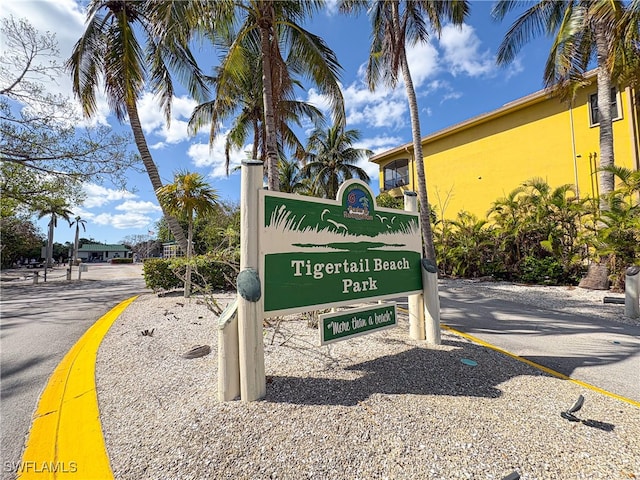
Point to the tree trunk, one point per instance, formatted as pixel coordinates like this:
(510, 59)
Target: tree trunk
(75, 247)
(48, 261)
(425, 220)
(266, 26)
(607, 183)
(152, 172)
(187, 278)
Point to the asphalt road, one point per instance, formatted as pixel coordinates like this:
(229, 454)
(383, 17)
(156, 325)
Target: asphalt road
(40, 323)
(602, 353)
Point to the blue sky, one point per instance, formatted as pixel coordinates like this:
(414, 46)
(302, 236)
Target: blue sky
(455, 78)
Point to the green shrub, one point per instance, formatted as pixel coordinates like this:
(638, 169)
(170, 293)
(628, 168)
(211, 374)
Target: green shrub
(209, 273)
(158, 275)
(121, 260)
(541, 271)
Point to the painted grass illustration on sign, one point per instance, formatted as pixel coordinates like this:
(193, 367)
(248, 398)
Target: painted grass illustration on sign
(288, 225)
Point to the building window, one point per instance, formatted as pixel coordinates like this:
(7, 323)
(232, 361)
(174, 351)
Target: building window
(396, 174)
(171, 250)
(616, 114)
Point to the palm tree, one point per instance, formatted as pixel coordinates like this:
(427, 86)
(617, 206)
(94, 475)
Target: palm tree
(629, 183)
(629, 27)
(111, 51)
(77, 222)
(290, 177)
(332, 159)
(583, 30)
(391, 30)
(273, 29)
(508, 214)
(239, 95)
(188, 195)
(471, 245)
(56, 208)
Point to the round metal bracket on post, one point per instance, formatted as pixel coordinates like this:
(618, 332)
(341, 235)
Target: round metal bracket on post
(429, 265)
(249, 285)
(632, 292)
(633, 270)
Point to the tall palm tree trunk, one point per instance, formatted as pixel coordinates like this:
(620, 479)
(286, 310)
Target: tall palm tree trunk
(607, 182)
(187, 279)
(425, 220)
(76, 242)
(152, 172)
(49, 253)
(266, 26)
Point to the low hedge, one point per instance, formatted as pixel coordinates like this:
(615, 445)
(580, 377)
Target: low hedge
(121, 260)
(208, 271)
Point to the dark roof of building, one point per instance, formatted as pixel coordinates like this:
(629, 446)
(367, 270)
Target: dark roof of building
(96, 247)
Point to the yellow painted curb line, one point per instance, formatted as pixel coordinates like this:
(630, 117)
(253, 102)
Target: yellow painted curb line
(65, 439)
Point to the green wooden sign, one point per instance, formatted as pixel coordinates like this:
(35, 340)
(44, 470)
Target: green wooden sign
(355, 322)
(318, 253)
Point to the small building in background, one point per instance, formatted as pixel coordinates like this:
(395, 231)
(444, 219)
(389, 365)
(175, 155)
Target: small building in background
(95, 252)
(171, 250)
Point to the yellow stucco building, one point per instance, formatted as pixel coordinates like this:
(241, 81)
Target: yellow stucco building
(470, 165)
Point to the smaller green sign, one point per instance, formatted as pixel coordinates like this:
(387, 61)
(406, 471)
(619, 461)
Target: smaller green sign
(356, 321)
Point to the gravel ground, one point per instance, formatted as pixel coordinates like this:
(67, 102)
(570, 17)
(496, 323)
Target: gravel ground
(374, 407)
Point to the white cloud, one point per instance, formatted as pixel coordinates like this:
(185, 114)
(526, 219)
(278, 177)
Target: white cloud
(318, 100)
(380, 144)
(97, 195)
(123, 221)
(372, 169)
(385, 107)
(135, 214)
(139, 207)
(391, 113)
(423, 61)
(358, 94)
(203, 156)
(451, 96)
(153, 119)
(382, 108)
(66, 18)
(42, 16)
(463, 54)
(514, 68)
(331, 7)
